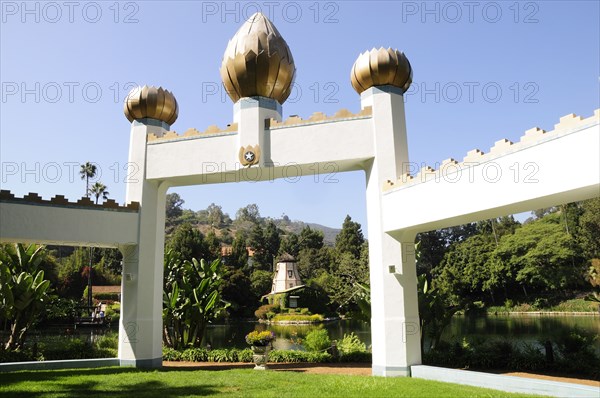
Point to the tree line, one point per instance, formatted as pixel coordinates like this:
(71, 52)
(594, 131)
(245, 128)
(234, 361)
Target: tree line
(332, 269)
(553, 256)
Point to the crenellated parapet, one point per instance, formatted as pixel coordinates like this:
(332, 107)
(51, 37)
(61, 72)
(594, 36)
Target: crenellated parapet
(60, 200)
(211, 131)
(534, 136)
(271, 124)
(319, 117)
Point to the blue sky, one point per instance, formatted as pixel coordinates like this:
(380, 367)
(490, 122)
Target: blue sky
(482, 71)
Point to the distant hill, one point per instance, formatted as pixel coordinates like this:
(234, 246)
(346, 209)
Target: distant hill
(285, 224)
(296, 226)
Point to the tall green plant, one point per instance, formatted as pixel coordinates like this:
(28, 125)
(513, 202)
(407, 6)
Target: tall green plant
(362, 298)
(435, 312)
(317, 340)
(191, 299)
(23, 290)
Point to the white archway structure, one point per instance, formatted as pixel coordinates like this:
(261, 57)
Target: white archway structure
(543, 169)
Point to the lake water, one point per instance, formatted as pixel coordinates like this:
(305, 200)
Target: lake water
(521, 329)
(288, 336)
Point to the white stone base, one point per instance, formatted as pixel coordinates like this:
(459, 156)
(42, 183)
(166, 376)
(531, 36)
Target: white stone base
(153, 363)
(504, 383)
(390, 371)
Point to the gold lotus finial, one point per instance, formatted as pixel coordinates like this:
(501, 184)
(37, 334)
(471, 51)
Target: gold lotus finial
(151, 102)
(379, 68)
(258, 62)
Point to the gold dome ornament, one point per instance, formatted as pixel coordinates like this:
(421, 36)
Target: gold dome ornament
(258, 62)
(151, 102)
(379, 68)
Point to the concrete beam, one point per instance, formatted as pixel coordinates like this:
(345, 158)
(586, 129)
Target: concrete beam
(69, 226)
(561, 170)
(289, 151)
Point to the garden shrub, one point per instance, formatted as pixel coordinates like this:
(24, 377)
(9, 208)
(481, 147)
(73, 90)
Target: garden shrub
(575, 342)
(105, 296)
(529, 358)
(194, 355)
(109, 340)
(576, 348)
(298, 318)
(245, 355)
(292, 356)
(171, 354)
(60, 310)
(317, 340)
(113, 312)
(319, 357)
(288, 356)
(496, 353)
(18, 356)
(104, 353)
(350, 344)
(204, 355)
(68, 348)
(573, 351)
(263, 310)
(224, 355)
(448, 354)
(237, 355)
(540, 303)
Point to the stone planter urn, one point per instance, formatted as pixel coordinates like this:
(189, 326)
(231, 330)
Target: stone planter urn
(261, 343)
(260, 356)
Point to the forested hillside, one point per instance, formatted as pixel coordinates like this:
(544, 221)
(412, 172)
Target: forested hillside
(552, 257)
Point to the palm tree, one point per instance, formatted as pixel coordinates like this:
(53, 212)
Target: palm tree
(87, 171)
(99, 189)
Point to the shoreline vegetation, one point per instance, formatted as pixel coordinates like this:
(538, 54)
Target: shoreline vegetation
(545, 313)
(292, 319)
(576, 306)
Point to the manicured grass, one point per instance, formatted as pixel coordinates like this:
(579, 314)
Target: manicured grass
(129, 383)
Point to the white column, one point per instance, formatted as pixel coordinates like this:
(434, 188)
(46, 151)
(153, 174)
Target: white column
(140, 326)
(394, 306)
(250, 114)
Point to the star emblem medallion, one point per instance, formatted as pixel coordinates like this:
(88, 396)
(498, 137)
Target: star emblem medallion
(249, 155)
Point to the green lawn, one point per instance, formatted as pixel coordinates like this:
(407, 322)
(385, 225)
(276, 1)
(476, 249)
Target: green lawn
(130, 383)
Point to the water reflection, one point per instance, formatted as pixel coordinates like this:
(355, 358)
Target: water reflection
(521, 329)
(288, 336)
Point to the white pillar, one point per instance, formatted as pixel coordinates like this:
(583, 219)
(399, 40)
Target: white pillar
(140, 326)
(250, 114)
(394, 305)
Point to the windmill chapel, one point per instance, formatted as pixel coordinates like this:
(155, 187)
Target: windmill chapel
(286, 275)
